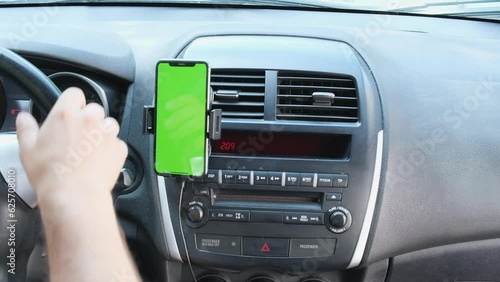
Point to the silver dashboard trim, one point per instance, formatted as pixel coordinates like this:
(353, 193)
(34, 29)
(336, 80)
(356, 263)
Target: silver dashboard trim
(98, 89)
(370, 210)
(168, 226)
(10, 160)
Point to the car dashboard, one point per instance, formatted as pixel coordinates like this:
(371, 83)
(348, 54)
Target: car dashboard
(360, 146)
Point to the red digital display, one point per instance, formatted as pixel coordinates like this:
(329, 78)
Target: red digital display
(227, 146)
(278, 144)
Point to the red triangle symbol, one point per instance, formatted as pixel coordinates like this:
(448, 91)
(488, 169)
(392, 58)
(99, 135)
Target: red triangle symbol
(265, 248)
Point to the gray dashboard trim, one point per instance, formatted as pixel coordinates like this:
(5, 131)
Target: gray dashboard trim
(370, 210)
(107, 51)
(168, 227)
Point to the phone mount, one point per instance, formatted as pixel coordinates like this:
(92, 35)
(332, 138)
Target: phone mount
(214, 121)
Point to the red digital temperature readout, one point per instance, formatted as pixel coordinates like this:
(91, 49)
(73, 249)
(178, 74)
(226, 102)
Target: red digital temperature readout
(226, 146)
(282, 144)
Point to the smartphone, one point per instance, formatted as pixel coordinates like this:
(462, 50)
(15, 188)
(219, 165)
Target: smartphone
(182, 101)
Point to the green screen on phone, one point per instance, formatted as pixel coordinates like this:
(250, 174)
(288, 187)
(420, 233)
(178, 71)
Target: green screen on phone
(181, 116)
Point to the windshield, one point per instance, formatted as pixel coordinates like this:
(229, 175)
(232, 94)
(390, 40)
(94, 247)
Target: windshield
(488, 9)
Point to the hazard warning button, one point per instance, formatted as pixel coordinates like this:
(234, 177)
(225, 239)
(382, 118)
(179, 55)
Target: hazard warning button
(265, 247)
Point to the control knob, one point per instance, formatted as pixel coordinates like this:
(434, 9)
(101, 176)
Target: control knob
(195, 213)
(339, 219)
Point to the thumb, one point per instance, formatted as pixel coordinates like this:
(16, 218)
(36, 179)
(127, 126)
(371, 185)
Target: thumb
(27, 130)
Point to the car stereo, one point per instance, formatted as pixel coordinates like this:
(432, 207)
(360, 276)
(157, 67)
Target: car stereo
(296, 196)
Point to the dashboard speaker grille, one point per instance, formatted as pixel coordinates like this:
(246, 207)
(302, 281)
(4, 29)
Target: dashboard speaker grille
(316, 97)
(239, 93)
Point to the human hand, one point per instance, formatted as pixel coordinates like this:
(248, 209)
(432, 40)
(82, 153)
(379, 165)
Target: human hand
(76, 151)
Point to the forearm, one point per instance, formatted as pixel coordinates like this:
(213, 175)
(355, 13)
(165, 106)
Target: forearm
(83, 239)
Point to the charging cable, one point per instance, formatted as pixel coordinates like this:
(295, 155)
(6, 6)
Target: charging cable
(182, 230)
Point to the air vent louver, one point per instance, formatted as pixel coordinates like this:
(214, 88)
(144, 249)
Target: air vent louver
(316, 97)
(239, 93)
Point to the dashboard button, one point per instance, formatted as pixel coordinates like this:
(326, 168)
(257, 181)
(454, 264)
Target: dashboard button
(243, 177)
(229, 215)
(265, 247)
(325, 180)
(228, 176)
(307, 248)
(340, 180)
(260, 177)
(307, 179)
(333, 196)
(201, 190)
(219, 244)
(303, 218)
(212, 176)
(275, 178)
(292, 178)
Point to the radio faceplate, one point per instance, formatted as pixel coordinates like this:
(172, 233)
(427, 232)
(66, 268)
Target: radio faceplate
(247, 212)
(262, 221)
(308, 204)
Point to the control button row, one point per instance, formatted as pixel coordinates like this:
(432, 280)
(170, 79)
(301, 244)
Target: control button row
(303, 218)
(229, 215)
(309, 218)
(277, 178)
(266, 247)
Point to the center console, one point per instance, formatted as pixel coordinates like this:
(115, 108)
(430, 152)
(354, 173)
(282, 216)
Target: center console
(292, 184)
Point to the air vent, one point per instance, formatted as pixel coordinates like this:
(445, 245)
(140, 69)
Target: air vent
(316, 97)
(239, 93)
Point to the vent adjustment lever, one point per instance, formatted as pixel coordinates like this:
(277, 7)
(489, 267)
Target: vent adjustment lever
(227, 94)
(323, 98)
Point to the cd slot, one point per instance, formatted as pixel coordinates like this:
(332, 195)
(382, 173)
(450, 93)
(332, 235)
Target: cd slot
(266, 199)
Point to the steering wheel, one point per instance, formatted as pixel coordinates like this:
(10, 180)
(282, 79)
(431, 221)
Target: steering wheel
(27, 221)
